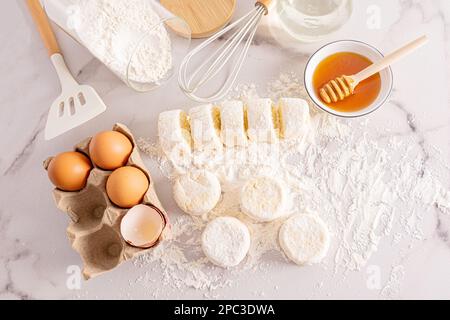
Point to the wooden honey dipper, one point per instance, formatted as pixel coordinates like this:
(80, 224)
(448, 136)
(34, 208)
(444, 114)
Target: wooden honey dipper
(342, 87)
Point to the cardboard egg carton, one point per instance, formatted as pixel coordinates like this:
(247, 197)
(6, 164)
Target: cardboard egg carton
(94, 231)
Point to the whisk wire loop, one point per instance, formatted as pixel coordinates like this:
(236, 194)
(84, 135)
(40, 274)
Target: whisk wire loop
(221, 56)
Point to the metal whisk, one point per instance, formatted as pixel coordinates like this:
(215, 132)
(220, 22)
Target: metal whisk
(245, 31)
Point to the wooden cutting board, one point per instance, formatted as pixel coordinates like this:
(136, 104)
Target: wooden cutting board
(204, 17)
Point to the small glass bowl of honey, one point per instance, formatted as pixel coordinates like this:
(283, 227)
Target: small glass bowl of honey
(348, 57)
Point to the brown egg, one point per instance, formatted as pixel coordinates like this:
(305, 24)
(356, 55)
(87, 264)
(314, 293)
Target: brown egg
(110, 150)
(126, 186)
(69, 171)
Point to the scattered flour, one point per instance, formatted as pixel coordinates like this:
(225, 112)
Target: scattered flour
(363, 188)
(124, 32)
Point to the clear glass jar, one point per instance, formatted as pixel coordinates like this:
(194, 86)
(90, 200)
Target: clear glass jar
(142, 42)
(312, 20)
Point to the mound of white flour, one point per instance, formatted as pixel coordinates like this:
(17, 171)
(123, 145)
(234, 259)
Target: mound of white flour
(122, 33)
(361, 188)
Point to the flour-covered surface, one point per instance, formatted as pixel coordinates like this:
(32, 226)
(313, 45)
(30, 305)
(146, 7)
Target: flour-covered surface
(365, 189)
(36, 260)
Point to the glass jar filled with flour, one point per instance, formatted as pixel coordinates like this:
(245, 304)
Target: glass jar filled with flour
(139, 40)
(312, 20)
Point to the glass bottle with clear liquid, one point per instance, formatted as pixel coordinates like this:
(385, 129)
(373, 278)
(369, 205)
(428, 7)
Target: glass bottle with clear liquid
(312, 20)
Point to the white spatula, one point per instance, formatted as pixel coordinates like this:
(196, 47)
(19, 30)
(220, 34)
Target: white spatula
(77, 104)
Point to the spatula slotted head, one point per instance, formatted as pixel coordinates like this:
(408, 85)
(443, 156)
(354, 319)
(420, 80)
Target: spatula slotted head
(72, 110)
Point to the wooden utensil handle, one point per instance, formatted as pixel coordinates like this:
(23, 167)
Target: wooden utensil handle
(44, 27)
(266, 3)
(390, 59)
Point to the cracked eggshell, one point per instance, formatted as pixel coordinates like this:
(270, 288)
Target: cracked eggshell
(142, 226)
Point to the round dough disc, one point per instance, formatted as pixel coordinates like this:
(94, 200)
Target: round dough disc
(226, 241)
(304, 239)
(263, 199)
(197, 192)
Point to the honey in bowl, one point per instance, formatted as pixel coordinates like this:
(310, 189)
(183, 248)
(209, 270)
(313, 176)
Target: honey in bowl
(348, 63)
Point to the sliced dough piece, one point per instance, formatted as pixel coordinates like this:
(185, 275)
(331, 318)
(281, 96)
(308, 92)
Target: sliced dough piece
(263, 199)
(205, 127)
(304, 239)
(226, 241)
(294, 117)
(174, 136)
(261, 122)
(232, 124)
(197, 192)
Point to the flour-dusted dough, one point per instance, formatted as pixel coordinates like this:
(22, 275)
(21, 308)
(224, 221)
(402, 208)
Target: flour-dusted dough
(263, 199)
(304, 239)
(262, 119)
(205, 128)
(174, 136)
(197, 192)
(226, 241)
(232, 124)
(294, 117)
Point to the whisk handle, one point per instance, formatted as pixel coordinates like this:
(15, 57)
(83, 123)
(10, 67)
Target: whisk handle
(266, 4)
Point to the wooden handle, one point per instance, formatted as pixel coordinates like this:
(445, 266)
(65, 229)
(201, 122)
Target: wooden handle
(44, 27)
(266, 3)
(390, 59)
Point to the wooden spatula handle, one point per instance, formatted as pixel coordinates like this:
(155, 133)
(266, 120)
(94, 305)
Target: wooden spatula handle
(44, 27)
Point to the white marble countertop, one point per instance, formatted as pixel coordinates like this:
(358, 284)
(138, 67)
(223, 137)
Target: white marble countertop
(34, 250)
